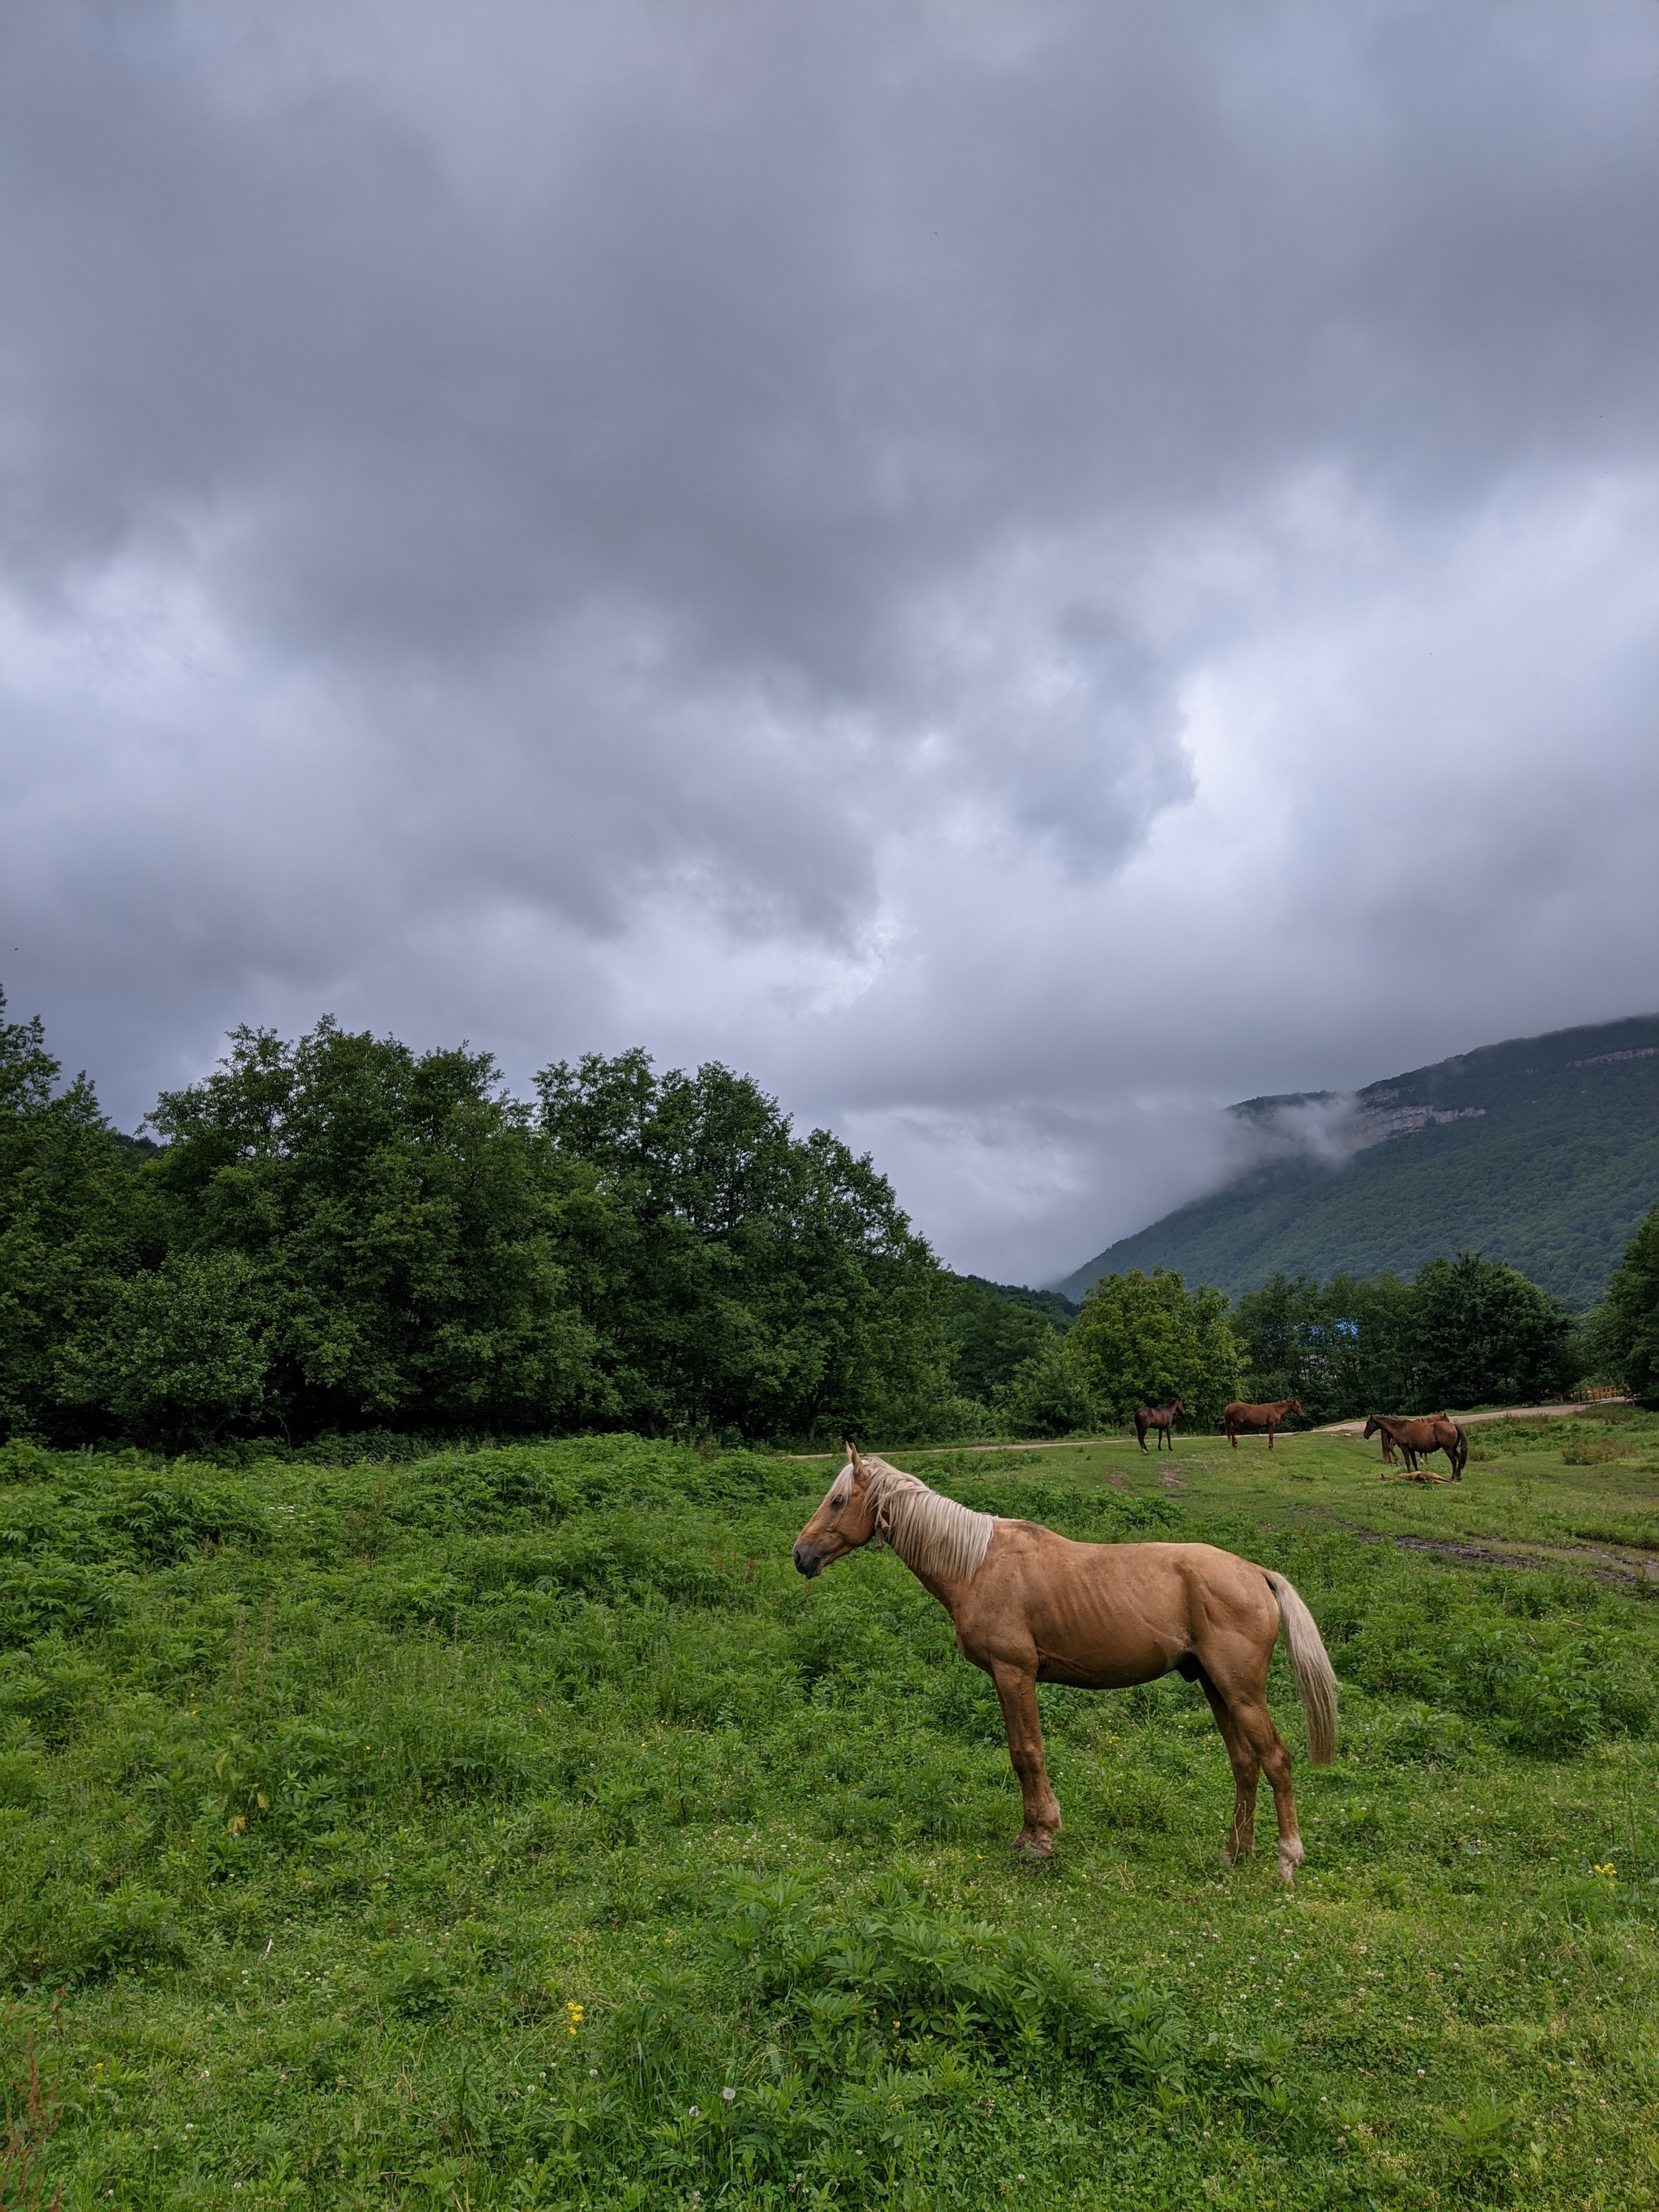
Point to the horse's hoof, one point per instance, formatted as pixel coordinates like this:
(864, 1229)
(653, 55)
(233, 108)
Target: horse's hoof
(1036, 1849)
(1291, 1857)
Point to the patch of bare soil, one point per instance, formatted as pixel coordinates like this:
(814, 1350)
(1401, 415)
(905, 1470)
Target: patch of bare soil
(1609, 1567)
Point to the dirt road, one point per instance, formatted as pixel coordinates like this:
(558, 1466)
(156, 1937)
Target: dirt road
(1497, 1414)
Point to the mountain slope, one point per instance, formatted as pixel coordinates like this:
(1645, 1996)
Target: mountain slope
(1541, 1150)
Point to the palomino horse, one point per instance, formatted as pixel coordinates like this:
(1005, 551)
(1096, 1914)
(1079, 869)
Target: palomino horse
(1415, 1438)
(1240, 1416)
(1161, 1418)
(1032, 1607)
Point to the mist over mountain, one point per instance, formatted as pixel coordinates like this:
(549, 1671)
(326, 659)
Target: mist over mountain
(1541, 1151)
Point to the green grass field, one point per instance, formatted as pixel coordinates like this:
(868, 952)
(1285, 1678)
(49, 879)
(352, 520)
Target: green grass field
(516, 1828)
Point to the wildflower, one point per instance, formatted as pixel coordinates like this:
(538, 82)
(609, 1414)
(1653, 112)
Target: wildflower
(573, 2014)
(728, 2095)
(692, 2113)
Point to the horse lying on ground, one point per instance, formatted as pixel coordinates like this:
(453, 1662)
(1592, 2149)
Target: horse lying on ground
(1413, 1439)
(1161, 1418)
(1032, 1607)
(1240, 1416)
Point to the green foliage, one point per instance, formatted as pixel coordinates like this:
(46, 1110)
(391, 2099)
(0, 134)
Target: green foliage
(178, 1353)
(1629, 1323)
(1467, 1332)
(1143, 1339)
(1050, 1394)
(340, 1236)
(751, 1279)
(68, 1216)
(404, 1223)
(992, 1334)
(1481, 1333)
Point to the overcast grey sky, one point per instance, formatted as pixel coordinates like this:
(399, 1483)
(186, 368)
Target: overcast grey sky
(1018, 571)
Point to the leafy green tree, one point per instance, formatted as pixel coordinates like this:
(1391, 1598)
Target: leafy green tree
(68, 1219)
(176, 1354)
(1629, 1319)
(749, 1280)
(1339, 1348)
(992, 1337)
(1048, 1394)
(1146, 1338)
(404, 1227)
(1483, 1333)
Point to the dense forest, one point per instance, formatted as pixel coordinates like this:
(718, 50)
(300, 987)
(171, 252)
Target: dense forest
(337, 1237)
(1542, 1150)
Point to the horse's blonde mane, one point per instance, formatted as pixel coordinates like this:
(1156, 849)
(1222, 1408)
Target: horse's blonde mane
(933, 1535)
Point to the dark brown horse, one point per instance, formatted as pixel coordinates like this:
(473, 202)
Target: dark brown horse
(1032, 1607)
(1240, 1416)
(1161, 1418)
(1415, 1439)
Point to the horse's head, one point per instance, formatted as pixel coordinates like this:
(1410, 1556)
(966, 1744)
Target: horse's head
(1295, 1407)
(1372, 1425)
(846, 1519)
(1177, 1406)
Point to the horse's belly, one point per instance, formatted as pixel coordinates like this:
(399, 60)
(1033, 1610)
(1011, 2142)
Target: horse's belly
(1118, 1665)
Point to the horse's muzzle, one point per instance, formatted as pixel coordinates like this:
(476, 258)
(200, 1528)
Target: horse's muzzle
(809, 1560)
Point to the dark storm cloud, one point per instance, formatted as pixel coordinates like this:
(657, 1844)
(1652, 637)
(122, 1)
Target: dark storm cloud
(1020, 571)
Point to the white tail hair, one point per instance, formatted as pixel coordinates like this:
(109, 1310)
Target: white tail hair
(1315, 1682)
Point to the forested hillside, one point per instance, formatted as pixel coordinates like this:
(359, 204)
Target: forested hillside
(1543, 1151)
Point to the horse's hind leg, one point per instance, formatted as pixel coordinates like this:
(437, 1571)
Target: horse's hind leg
(1241, 1838)
(1255, 1723)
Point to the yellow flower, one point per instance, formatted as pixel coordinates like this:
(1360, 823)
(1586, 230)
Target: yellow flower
(572, 2017)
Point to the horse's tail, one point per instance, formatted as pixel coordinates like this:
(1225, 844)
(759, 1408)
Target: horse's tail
(1315, 1682)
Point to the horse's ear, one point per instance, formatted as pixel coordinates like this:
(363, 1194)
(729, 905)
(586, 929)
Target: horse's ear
(852, 1456)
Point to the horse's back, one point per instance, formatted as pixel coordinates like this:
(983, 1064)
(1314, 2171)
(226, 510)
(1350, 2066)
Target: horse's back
(1039, 1560)
(1104, 1615)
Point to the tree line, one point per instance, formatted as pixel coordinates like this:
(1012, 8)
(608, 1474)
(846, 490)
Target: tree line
(337, 1235)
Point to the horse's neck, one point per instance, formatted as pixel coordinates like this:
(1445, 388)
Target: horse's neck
(941, 1541)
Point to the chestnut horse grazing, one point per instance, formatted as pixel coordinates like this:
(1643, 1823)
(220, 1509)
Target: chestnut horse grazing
(1032, 1607)
(1161, 1418)
(1414, 1438)
(1240, 1416)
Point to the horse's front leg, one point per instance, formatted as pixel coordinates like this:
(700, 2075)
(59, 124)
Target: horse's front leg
(1016, 1691)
